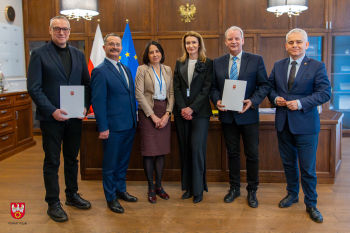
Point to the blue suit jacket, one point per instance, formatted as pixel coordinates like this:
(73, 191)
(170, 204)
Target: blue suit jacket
(46, 74)
(311, 86)
(113, 101)
(253, 71)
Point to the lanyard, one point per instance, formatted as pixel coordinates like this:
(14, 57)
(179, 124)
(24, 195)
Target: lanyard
(161, 80)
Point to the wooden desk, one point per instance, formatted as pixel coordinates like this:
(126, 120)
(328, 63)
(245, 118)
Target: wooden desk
(271, 168)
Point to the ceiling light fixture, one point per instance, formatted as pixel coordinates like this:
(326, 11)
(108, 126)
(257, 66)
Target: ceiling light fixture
(291, 7)
(76, 9)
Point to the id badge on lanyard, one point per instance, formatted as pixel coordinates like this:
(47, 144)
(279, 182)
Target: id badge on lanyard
(160, 81)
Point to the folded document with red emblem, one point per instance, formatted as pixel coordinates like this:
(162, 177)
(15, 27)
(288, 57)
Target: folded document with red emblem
(233, 96)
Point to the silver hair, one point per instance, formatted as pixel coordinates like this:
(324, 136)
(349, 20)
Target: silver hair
(297, 30)
(59, 17)
(234, 28)
(111, 34)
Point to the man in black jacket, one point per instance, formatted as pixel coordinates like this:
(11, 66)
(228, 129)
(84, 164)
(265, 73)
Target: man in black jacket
(51, 66)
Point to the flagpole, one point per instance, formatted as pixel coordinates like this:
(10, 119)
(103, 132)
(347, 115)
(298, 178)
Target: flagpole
(128, 56)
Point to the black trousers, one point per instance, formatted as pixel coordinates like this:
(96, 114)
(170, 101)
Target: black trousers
(54, 134)
(250, 136)
(192, 139)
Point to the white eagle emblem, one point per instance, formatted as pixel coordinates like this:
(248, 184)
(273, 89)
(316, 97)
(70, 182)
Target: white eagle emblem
(17, 210)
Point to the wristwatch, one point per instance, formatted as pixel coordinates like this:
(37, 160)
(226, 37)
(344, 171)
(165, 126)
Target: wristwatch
(169, 113)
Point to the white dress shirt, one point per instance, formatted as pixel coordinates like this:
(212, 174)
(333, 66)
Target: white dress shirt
(238, 62)
(297, 66)
(116, 66)
(157, 87)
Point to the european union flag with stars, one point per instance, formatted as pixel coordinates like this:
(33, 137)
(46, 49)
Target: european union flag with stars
(128, 55)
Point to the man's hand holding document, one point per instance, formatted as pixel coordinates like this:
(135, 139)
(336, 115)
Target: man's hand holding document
(233, 96)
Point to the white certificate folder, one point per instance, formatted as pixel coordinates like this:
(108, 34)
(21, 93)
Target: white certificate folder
(233, 96)
(72, 101)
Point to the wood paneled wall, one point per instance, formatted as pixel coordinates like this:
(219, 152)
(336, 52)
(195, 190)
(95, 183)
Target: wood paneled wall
(160, 20)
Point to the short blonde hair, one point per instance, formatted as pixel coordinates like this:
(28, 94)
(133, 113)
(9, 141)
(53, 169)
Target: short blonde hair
(201, 50)
(59, 17)
(234, 28)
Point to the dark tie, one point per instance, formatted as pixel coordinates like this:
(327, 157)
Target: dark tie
(291, 75)
(122, 72)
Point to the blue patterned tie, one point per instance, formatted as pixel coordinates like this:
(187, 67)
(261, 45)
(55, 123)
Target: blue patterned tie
(233, 70)
(122, 72)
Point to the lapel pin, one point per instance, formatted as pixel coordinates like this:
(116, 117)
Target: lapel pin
(305, 63)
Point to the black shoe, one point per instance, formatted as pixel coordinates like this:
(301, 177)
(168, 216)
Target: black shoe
(186, 195)
(126, 197)
(57, 213)
(315, 215)
(288, 201)
(252, 200)
(77, 201)
(115, 206)
(232, 195)
(198, 198)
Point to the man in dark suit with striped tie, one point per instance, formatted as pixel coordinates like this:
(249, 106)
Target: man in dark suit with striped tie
(240, 65)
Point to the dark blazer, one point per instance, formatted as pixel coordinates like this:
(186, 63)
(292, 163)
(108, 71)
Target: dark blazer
(46, 74)
(113, 101)
(253, 71)
(198, 100)
(311, 86)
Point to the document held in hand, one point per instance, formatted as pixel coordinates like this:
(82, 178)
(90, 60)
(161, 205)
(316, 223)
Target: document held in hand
(72, 100)
(233, 96)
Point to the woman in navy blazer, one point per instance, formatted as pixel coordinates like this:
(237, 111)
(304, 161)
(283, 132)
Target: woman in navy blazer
(192, 111)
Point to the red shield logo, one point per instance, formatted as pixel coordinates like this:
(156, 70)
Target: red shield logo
(72, 93)
(234, 87)
(17, 210)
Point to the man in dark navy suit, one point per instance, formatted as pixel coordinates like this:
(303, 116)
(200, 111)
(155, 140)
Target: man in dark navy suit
(299, 84)
(240, 65)
(51, 66)
(114, 104)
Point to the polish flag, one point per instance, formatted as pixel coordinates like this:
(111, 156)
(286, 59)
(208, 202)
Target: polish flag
(97, 54)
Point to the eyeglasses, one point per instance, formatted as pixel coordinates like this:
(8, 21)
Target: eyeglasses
(58, 29)
(114, 45)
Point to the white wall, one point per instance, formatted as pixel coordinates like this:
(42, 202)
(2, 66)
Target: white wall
(16, 83)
